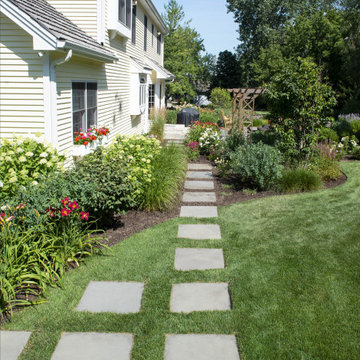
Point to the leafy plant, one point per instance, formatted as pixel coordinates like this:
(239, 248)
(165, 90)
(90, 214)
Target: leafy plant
(23, 161)
(266, 137)
(256, 166)
(192, 150)
(171, 116)
(220, 98)
(299, 179)
(326, 134)
(168, 172)
(206, 134)
(158, 120)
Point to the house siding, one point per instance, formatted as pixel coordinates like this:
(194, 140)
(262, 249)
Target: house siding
(21, 85)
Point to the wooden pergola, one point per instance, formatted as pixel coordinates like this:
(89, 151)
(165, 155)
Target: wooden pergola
(244, 106)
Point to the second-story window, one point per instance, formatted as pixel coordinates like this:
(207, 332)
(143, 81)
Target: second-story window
(159, 44)
(125, 12)
(145, 32)
(152, 34)
(133, 25)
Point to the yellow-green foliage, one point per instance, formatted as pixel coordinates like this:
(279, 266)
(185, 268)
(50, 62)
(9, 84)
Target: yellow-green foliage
(23, 161)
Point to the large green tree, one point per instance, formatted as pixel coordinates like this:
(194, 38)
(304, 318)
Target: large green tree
(182, 53)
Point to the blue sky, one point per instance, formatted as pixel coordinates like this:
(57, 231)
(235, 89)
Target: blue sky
(211, 20)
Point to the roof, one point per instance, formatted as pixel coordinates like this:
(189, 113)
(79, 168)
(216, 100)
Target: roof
(61, 27)
(161, 71)
(151, 9)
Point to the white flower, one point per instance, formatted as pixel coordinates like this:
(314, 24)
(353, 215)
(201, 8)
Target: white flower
(24, 172)
(13, 179)
(7, 158)
(49, 164)
(1, 184)
(22, 158)
(19, 150)
(44, 154)
(10, 152)
(35, 182)
(43, 161)
(35, 175)
(29, 154)
(3, 208)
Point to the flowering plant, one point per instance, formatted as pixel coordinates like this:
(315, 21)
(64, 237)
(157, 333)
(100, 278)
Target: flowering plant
(193, 150)
(91, 135)
(67, 209)
(24, 160)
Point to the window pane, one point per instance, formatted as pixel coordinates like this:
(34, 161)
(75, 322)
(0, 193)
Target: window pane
(133, 26)
(92, 117)
(145, 32)
(91, 95)
(159, 44)
(122, 11)
(128, 13)
(78, 91)
(78, 121)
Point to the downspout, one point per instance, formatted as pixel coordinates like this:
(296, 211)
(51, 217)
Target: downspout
(53, 95)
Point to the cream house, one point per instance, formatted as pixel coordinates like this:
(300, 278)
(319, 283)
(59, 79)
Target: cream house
(71, 64)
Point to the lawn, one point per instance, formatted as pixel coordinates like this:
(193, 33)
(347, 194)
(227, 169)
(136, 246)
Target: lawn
(292, 262)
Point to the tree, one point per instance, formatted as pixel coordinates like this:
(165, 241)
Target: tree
(227, 71)
(300, 103)
(182, 53)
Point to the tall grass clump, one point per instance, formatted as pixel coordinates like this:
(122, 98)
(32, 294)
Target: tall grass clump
(158, 120)
(298, 180)
(168, 172)
(171, 116)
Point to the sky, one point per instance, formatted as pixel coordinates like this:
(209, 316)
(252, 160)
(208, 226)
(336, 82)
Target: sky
(211, 21)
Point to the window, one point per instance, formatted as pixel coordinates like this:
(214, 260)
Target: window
(84, 96)
(151, 97)
(159, 43)
(125, 12)
(133, 25)
(152, 34)
(145, 32)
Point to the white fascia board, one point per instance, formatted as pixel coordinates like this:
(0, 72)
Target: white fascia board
(86, 52)
(160, 74)
(42, 38)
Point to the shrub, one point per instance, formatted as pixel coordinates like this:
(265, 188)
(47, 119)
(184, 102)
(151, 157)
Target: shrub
(23, 161)
(356, 153)
(300, 179)
(342, 127)
(168, 171)
(206, 134)
(256, 166)
(266, 137)
(257, 122)
(171, 116)
(355, 128)
(327, 134)
(209, 117)
(220, 98)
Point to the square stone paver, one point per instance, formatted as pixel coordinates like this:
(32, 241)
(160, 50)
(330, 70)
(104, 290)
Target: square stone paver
(199, 197)
(93, 346)
(199, 211)
(198, 259)
(199, 185)
(199, 175)
(112, 296)
(201, 347)
(199, 231)
(189, 297)
(199, 167)
(12, 344)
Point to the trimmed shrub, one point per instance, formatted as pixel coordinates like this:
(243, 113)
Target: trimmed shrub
(256, 166)
(297, 180)
(327, 134)
(168, 172)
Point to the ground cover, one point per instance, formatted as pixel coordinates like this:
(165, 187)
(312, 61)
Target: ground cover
(293, 264)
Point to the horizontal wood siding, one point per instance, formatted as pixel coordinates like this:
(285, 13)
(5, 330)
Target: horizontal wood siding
(83, 13)
(21, 82)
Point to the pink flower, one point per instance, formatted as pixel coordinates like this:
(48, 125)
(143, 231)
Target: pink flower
(73, 205)
(2, 215)
(65, 201)
(84, 215)
(50, 211)
(65, 212)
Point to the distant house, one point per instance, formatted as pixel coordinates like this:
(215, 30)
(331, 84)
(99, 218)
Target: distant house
(71, 64)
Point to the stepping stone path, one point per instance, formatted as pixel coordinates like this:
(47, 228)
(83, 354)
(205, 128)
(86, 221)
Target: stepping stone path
(125, 297)
(12, 344)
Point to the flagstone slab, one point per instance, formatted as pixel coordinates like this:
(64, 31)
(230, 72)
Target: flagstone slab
(199, 185)
(112, 296)
(201, 347)
(199, 175)
(12, 344)
(199, 211)
(198, 259)
(189, 297)
(199, 197)
(199, 167)
(94, 346)
(199, 231)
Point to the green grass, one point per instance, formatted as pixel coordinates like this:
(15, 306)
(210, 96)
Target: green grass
(292, 263)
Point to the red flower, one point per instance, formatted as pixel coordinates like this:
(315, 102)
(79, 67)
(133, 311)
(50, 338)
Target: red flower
(50, 211)
(73, 205)
(77, 138)
(86, 143)
(84, 137)
(65, 201)
(84, 215)
(92, 137)
(2, 215)
(65, 212)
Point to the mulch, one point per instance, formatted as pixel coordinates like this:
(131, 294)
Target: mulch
(227, 193)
